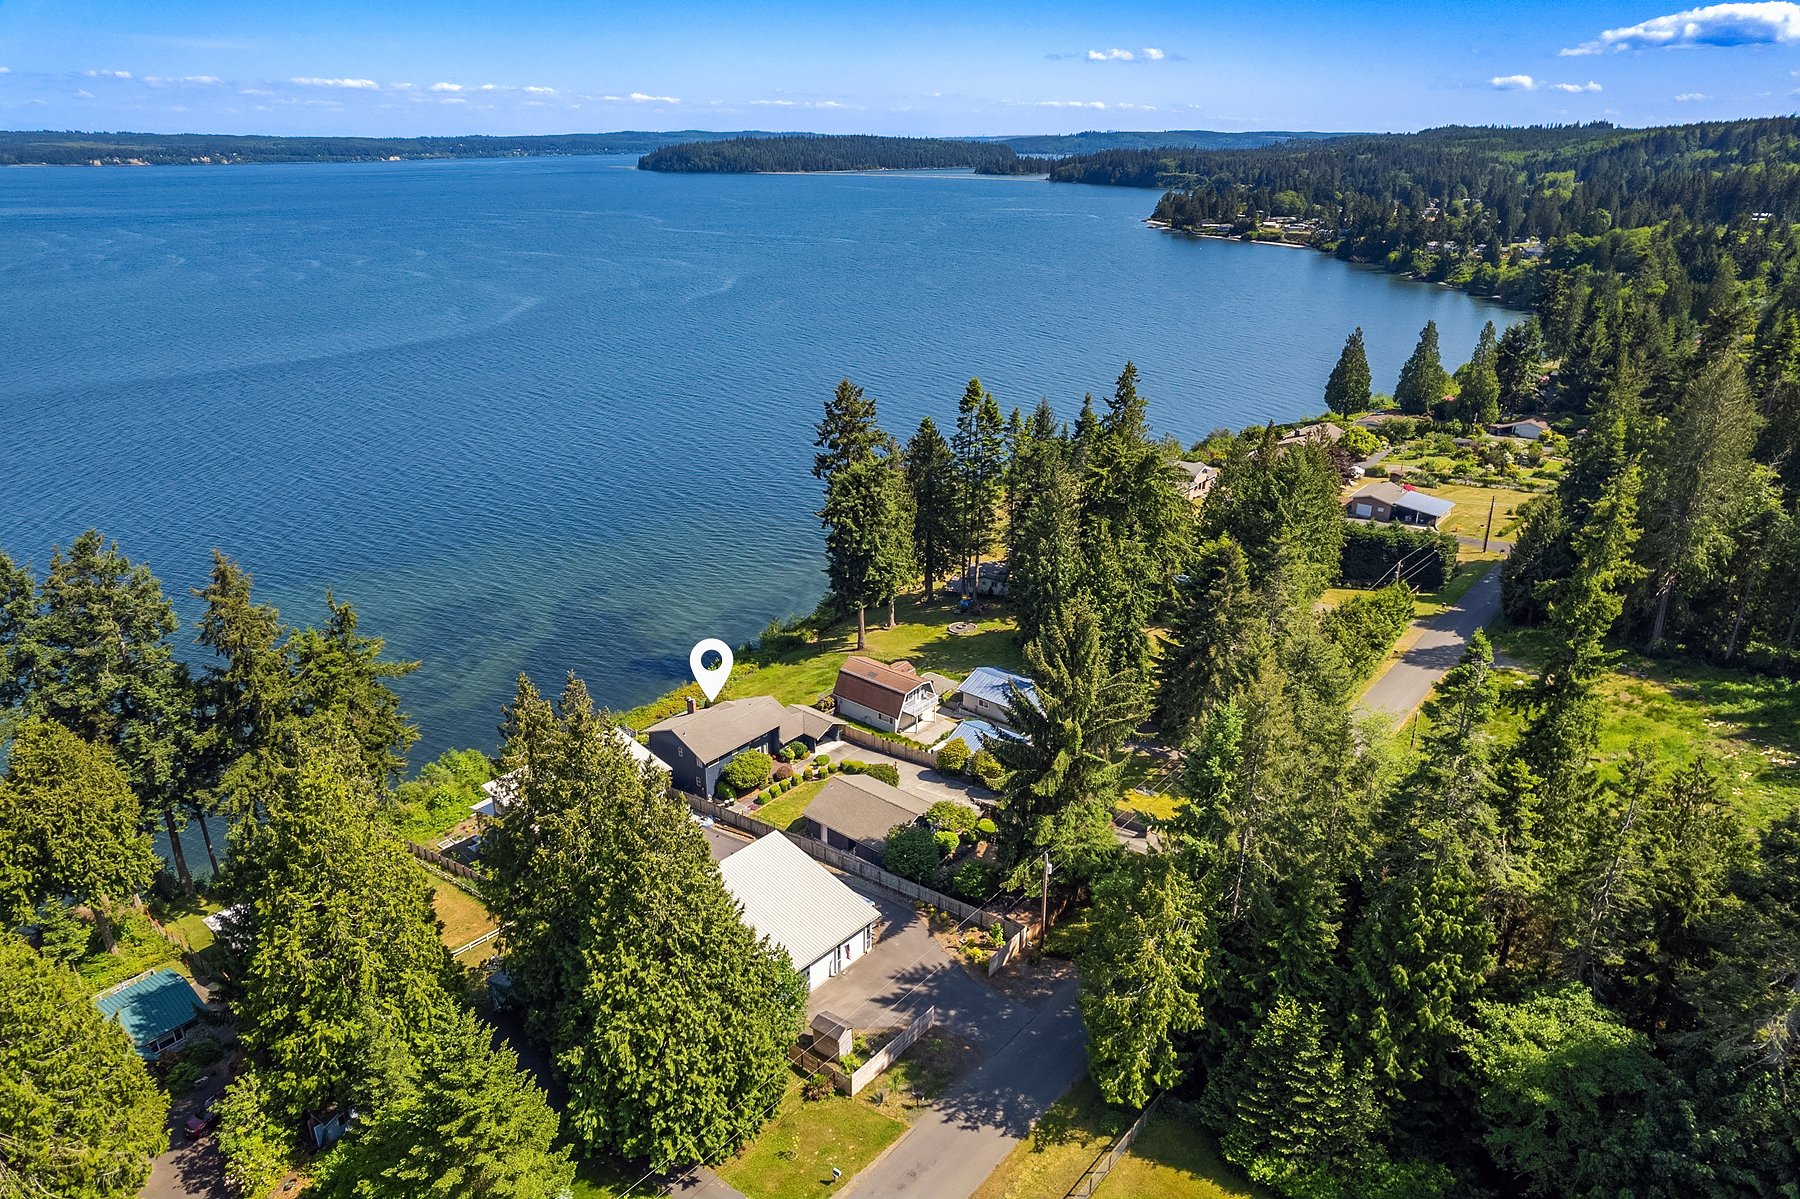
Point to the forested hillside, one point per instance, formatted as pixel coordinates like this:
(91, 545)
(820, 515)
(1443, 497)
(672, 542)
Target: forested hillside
(810, 152)
(1094, 141)
(50, 148)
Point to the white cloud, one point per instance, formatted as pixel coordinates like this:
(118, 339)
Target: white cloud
(451, 100)
(446, 87)
(1760, 23)
(1153, 54)
(109, 74)
(203, 80)
(5, 70)
(84, 93)
(641, 98)
(255, 91)
(401, 87)
(359, 85)
(541, 91)
(1691, 97)
(1113, 55)
(1525, 83)
(771, 103)
(1071, 104)
(490, 87)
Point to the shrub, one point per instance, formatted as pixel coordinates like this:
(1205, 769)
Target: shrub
(887, 772)
(950, 815)
(953, 757)
(976, 880)
(793, 751)
(1365, 627)
(784, 771)
(912, 852)
(203, 1052)
(986, 767)
(947, 842)
(986, 828)
(746, 772)
(822, 760)
(815, 1088)
(182, 1077)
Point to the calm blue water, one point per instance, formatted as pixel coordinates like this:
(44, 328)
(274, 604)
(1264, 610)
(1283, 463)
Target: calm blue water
(554, 414)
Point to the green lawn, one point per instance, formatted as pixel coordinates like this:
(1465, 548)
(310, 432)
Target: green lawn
(462, 915)
(1747, 725)
(785, 810)
(800, 676)
(794, 1155)
(137, 947)
(606, 1179)
(1171, 1159)
(1470, 516)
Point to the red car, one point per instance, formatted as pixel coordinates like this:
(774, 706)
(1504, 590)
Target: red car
(201, 1122)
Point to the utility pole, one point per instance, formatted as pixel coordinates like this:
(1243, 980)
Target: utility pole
(1492, 500)
(1044, 910)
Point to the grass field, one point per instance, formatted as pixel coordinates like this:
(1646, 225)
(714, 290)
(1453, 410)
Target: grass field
(794, 1155)
(800, 676)
(462, 915)
(1171, 1159)
(1470, 516)
(784, 810)
(1746, 724)
(595, 1179)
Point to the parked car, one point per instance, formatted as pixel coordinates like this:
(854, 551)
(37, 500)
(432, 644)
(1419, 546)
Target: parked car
(202, 1121)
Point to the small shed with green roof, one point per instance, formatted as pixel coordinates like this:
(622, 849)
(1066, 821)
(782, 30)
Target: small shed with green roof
(157, 1010)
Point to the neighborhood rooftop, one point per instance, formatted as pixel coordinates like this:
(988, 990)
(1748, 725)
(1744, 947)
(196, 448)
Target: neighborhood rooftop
(150, 1006)
(1397, 495)
(996, 686)
(863, 808)
(792, 900)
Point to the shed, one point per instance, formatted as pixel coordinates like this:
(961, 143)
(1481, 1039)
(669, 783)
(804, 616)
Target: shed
(157, 1010)
(802, 907)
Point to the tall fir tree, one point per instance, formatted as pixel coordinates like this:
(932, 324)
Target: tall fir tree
(868, 537)
(1518, 358)
(1217, 632)
(931, 477)
(848, 431)
(1347, 391)
(1422, 379)
(1478, 384)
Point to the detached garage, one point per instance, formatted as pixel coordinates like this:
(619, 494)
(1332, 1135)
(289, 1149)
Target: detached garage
(799, 905)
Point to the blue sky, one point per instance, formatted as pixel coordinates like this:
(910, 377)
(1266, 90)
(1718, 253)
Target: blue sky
(544, 66)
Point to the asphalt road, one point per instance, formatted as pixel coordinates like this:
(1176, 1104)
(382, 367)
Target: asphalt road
(1401, 690)
(973, 1125)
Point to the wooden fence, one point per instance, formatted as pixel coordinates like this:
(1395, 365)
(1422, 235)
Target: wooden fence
(893, 884)
(1096, 1173)
(442, 861)
(918, 755)
(853, 1082)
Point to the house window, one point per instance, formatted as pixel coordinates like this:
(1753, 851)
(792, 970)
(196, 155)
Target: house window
(868, 939)
(1359, 508)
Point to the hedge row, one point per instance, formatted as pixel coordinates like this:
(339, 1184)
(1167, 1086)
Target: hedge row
(1372, 551)
(1365, 627)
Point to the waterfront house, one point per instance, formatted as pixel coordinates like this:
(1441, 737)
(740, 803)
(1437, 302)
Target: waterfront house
(891, 698)
(988, 692)
(697, 744)
(1530, 430)
(1322, 433)
(786, 896)
(1194, 478)
(157, 1010)
(1388, 501)
(854, 812)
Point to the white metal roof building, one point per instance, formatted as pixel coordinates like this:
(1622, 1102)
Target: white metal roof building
(799, 905)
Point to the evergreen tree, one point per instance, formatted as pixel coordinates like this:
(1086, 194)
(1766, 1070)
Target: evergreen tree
(1422, 380)
(1478, 384)
(868, 536)
(18, 607)
(333, 946)
(80, 1117)
(1141, 976)
(340, 683)
(1347, 391)
(979, 447)
(931, 477)
(668, 1019)
(1216, 633)
(465, 1122)
(1062, 771)
(1045, 569)
(68, 826)
(847, 433)
(1517, 359)
(1696, 485)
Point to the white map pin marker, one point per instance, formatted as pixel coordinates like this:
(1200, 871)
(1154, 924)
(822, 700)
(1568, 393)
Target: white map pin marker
(712, 681)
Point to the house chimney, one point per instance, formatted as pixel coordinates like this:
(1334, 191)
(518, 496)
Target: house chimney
(692, 706)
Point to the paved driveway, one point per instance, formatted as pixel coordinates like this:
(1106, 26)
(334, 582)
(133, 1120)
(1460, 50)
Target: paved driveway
(1441, 640)
(975, 1124)
(929, 785)
(908, 971)
(188, 1169)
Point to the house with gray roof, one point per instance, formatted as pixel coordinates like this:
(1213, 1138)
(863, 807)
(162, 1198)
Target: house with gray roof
(1389, 501)
(800, 906)
(697, 744)
(157, 1010)
(854, 812)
